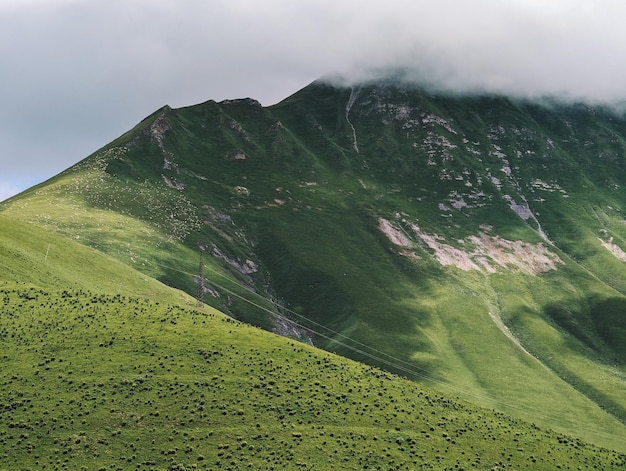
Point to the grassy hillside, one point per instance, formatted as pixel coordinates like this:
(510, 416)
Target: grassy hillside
(32, 255)
(105, 368)
(93, 381)
(473, 244)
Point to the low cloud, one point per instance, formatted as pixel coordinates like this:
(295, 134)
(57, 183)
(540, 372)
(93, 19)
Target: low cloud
(571, 49)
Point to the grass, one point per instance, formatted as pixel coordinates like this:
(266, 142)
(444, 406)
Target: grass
(92, 381)
(37, 256)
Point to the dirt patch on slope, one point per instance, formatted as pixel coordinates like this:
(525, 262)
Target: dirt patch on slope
(482, 252)
(395, 235)
(614, 249)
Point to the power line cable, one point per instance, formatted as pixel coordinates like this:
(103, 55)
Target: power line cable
(397, 363)
(407, 370)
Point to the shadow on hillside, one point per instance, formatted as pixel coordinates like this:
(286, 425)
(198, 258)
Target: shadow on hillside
(599, 324)
(609, 319)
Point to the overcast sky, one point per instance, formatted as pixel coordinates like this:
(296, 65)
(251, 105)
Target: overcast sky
(75, 74)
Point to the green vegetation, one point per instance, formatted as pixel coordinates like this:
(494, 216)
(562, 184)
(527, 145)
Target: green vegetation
(475, 245)
(92, 381)
(31, 254)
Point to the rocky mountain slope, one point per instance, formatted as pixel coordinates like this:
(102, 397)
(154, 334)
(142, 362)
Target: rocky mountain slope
(476, 244)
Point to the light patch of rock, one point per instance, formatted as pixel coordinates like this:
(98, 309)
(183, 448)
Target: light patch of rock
(173, 184)
(459, 203)
(521, 210)
(395, 235)
(158, 129)
(248, 267)
(614, 249)
(446, 254)
(539, 184)
(524, 256)
(485, 252)
(496, 182)
(434, 119)
(169, 164)
(288, 328)
(242, 190)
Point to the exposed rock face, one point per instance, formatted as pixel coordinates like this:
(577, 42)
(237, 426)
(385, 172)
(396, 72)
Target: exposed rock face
(614, 249)
(482, 252)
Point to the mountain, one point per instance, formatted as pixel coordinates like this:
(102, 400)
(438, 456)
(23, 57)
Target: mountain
(474, 244)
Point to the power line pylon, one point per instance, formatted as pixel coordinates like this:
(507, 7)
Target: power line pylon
(200, 295)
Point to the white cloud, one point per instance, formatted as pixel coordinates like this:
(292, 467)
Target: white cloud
(77, 73)
(569, 49)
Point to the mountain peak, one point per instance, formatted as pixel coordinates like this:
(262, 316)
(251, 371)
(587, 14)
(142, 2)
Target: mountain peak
(244, 101)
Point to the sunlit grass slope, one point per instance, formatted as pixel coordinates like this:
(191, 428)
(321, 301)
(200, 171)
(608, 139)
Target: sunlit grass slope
(93, 381)
(31, 255)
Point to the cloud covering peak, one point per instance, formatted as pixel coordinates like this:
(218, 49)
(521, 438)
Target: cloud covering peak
(569, 49)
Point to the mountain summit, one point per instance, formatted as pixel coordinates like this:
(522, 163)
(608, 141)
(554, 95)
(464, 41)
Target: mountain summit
(473, 243)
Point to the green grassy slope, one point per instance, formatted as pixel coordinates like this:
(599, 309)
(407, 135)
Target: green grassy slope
(498, 280)
(92, 381)
(105, 368)
(34, 256)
